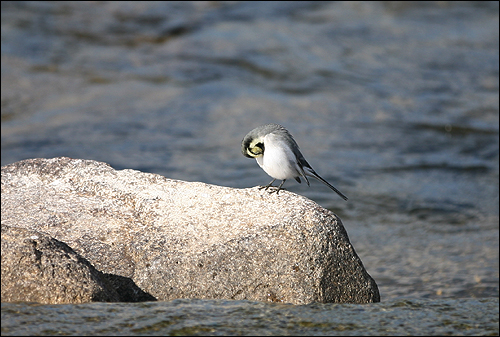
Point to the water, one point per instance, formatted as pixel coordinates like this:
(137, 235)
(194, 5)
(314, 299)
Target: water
(395, 103)
(470, 317)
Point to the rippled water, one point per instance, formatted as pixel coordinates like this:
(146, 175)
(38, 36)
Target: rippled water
(395, 103)
(208, 317)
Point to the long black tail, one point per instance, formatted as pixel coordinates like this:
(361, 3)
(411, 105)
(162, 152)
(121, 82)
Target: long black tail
(315, 175)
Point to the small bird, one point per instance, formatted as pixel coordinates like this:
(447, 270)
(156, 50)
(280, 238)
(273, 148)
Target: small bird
(278, 155)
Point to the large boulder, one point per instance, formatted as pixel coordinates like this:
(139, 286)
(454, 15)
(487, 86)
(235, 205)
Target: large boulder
(174, 239)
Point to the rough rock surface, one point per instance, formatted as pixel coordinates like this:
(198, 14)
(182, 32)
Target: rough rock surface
(38, 268)
(176, 239)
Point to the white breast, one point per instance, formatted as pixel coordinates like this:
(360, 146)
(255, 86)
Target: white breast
(278, 160)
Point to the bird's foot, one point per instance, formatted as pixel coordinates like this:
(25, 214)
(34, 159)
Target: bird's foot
(274, 189)
(270, 189)
(268, 185)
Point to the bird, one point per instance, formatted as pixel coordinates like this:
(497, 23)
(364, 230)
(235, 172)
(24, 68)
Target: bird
(277, 153)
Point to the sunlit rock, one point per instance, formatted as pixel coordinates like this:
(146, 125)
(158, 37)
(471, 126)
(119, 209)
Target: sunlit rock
(175, 239)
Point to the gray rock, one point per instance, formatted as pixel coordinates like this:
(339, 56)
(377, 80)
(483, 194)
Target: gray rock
(176, 239)
(37, 268)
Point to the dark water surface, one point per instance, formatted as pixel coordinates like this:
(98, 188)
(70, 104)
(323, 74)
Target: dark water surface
(395, 103)
(470, 317)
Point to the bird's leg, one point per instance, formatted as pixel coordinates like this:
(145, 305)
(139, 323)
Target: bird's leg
(275, 189)
(279, 187)
(268, 185)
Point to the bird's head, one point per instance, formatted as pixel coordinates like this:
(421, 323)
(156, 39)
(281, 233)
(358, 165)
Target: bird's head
(252, 147)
